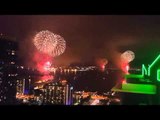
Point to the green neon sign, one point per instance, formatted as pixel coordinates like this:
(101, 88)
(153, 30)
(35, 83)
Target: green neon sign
(136, 88)
(133, 76)
(149, 69)
(144, 70)
(158, 75)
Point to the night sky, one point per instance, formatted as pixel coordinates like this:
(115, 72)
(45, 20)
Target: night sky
(89, 37)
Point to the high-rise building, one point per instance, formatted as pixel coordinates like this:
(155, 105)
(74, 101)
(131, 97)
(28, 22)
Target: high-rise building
(24, 84)
(26, 79)
(8, 72)
(59, 93)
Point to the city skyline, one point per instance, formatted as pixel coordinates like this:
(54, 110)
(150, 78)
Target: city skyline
(102, 52)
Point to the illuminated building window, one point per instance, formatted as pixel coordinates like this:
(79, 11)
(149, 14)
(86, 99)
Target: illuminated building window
(13, 52)
(22, 67)
(12, 63)
(12, 74)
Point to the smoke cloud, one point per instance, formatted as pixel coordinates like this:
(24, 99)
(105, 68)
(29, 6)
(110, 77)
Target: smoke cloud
(87, 37)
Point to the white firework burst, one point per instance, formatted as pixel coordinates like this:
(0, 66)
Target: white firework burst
(49, 43)
(60, 47)
(128, 56)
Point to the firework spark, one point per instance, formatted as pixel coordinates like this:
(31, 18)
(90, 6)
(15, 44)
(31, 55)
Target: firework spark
(43, 62)
(101, 63)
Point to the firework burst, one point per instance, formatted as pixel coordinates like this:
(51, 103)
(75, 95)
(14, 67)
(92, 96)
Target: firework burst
(60, 47)
(128, 56)
(49, 43)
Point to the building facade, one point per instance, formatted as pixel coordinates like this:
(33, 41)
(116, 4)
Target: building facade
(59, 93)
(8, 72)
